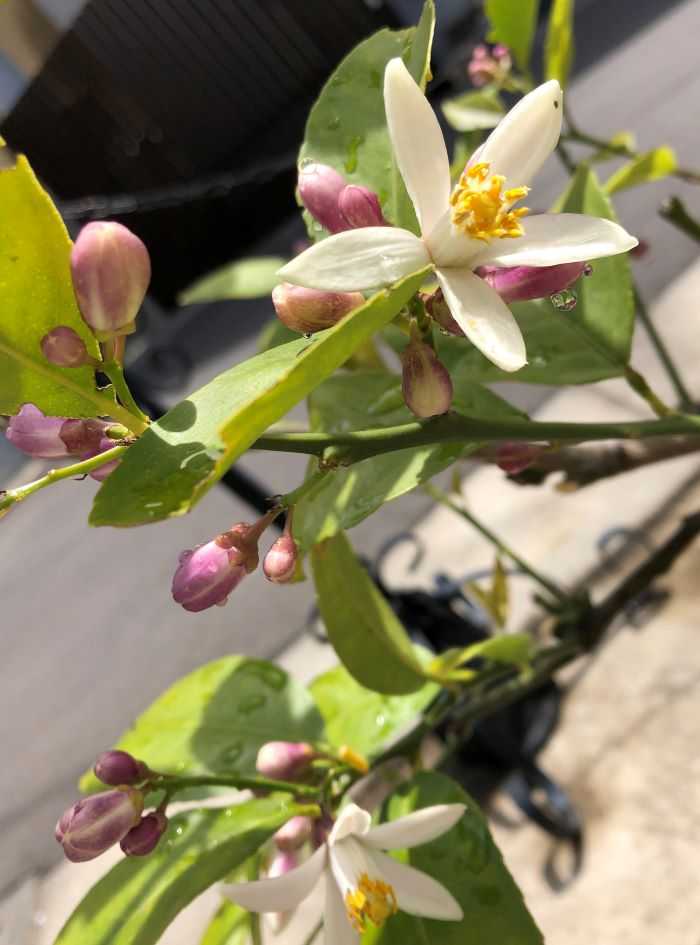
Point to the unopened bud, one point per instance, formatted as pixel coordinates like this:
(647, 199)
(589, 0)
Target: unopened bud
(489, 66)
(119, 767)
(37, 435)
(438, 309)
(111, 270)
(284, 761)
(101, 472)
(94, 824)
(310, 310)
(143, 838)
(360, 207)
(319, 189)
(294, 834)
(280, 562)
(65, 348)
(515, 457)
(520, 283)
(425, 381)
(84, 436)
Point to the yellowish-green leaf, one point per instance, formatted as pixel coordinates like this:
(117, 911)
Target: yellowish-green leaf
(654, 165)
(494, 599)
(559, 42)
(242, 279)
(513, 649)
(513, 23)
(473, 110)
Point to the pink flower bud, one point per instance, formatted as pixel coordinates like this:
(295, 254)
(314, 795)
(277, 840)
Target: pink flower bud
(64, 347)
(425, 381)
(513, 458)
(111, 270)
(119, 767)
(319, 189)
(437, 308)
(360, 207)
(96, 823)
(37, 435)
(489, 66)
(285, 761)
(84, 436)
(281, 560)
(294, 834)
(520, 283)
(310, 310)
(143, 838)
(101, 472)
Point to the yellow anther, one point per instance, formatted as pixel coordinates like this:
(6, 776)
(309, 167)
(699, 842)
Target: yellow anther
(481, 208)
(354, 759)
(373, 900)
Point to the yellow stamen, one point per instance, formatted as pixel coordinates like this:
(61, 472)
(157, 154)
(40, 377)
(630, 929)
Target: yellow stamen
(373, 900)
(354, 759)
(481, 209)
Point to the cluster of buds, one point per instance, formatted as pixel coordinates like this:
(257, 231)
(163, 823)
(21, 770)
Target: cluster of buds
(206, 575)
(334, 203)
(489, 65)
(96, 823)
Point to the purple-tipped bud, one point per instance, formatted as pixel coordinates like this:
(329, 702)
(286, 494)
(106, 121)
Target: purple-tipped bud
(111, 270)
(425, 381)
(520, 283)
(513, 458)
(280, 562)
(294, 834)
(119, 767)
(284, 761)
(64, 347)
(143, 838)
(489, 66)
(319, 189)
(437, 308)
(84, 436)
(360, 207)
(37, 435)
(96, 823)
(309, 310)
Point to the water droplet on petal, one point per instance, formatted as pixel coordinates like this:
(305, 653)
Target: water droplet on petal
(564, 301)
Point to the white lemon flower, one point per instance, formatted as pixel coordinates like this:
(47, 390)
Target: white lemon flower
(473, 225)
(362, 883)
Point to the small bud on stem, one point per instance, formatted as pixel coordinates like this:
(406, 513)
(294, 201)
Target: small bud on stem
(425, 381)
(294, 834)
(285, 761)
(309, 310)
(96, 823)
(280, 562)
(119, 767)
(143, 838)
(360, 207)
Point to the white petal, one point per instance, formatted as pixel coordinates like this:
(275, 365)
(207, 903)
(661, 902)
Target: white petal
(449, 247)
(421, 826)
(349, 860)
(416, 892)
(366, 258)
(281, 893)
(352, 821)
(336, 926)
(553, 238)
(418, 144)
(483, 317)
(526, 136)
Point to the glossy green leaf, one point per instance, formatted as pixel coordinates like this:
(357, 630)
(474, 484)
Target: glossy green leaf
(242, 279)
(469, 864)
(654, 165)
(187, 451)
(137, 900)
(230, 926)
(366, 634)
(365, 399)
(37, 295)
(347, 125)
(216, 719)
(511, 648)
(274, 334)
(473, 110)
(513, 23)
(559, 41)
(364, 719)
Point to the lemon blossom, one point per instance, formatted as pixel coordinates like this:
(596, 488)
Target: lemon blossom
(362, 883)
(476, 224)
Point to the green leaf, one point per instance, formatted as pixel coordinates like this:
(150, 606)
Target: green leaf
(136, 901)
(654, 165)
(187, 451)
(242, 279)
(216, 719)
(343, 498)
(469, 864)
(274, 334)
(37, 295)
(559, 41)
(473, 110)
(364, 719)
(511, 648)
(513, 23)
(230, 926)
(347, 126)
(495, 599)
(366, 634)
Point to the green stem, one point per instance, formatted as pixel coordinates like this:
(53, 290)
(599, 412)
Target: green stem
(687, 174)
(443, 498)
(115, 373)
(675, 212)
(639, 385)
(241, 782)
(105, 406)
(56, 475)
(684, 396)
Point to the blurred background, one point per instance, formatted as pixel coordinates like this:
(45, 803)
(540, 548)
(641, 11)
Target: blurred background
(183, 120)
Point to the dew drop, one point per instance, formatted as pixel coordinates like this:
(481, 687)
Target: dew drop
(351, 161)
(230, 754)
(564, 301)
(333, 124)
(252, 703)
(588, 270)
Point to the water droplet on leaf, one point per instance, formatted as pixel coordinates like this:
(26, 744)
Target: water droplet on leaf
(564, 301)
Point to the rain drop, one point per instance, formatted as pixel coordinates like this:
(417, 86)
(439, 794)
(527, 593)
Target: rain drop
(565, 301)
(333, 124)
(305, 162)
(588, 270)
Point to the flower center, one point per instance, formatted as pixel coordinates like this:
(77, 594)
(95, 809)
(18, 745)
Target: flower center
(481, 208)
(373, 900)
